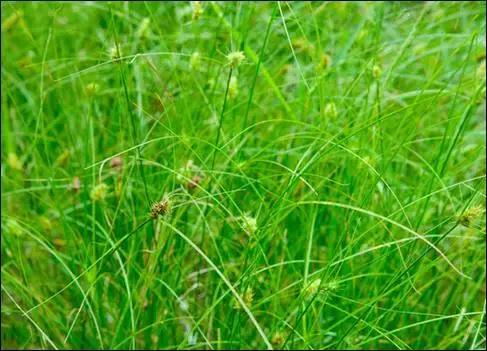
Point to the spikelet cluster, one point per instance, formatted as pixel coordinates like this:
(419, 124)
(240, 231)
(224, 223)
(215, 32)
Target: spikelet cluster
(160, 208)
(99, 192)
(470, 215)
(235, 59)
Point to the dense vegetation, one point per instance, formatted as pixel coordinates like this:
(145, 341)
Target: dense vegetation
(243, 175)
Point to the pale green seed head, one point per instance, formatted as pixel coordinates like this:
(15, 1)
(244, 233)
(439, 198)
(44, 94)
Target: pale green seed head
(99, 192)
(197, 10)
(470, 215)
(14, 162)
(331, 110)
(235, 59)
(313, 288)
(143, 29)
(247, 297)
(249, 224)
(195, 61)
(92, 88)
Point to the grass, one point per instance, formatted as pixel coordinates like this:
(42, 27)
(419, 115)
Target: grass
(327, 192)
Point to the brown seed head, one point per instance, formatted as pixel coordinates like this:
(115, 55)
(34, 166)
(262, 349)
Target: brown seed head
(193, 183)
(116, 163)
(160, 208)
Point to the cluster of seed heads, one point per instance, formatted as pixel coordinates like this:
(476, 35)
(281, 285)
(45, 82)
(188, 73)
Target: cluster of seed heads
(160, 208)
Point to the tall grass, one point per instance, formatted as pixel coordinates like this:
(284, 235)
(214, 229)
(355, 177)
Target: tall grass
(327, 192)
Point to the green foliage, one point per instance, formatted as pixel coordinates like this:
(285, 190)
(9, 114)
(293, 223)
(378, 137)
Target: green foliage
(323, 163)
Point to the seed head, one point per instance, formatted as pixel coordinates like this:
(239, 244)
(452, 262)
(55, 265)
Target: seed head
(99, 192)
(14, 162)
(331, 110)
(313, 288)
(197, 9)
(192, 172)
(249, 224)
(160, 208)
(277, 339)
(470, 215)
(235, 59)
(331, 286)
(195, 61)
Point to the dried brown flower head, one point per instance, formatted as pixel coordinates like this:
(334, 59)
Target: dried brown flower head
(160, 208)
(116, 163)
(194, 182)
